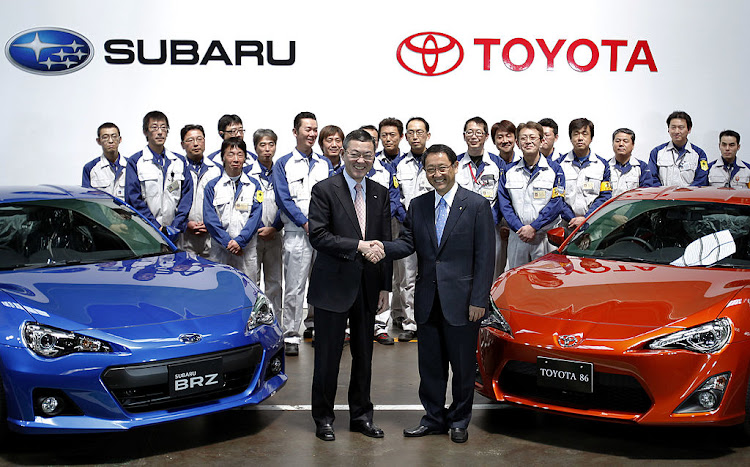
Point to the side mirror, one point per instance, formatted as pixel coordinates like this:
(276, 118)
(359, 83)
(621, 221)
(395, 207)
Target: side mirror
(556, 236)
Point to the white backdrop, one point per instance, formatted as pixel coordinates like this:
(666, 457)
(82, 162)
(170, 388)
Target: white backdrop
(346, 71)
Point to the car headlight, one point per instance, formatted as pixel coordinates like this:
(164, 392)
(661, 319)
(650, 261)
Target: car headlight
(262, 313)
(50, 342)
(706, 338)
(496, 320)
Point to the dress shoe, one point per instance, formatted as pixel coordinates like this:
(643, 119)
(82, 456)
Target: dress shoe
(308, 333)
(325, 432)
(459, 435)
(291, 350)
(422, 430)
(384, 338)
(366, 428)
(407, 336)
(399, 322)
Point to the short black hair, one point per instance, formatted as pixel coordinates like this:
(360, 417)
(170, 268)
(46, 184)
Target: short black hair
(426, 125)
(441, 149)
(233, 142)
(155, 115)
(683, 115)
(627, 131)
(300, 116)
(190, 127)
(549, 123)
(580, 124)
(730, 133)
(359, 135)
(228, 119)
(106, 125)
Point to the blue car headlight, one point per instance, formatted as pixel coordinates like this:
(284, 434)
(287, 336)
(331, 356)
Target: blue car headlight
(50, 342)
(706, 338)
(262, 313)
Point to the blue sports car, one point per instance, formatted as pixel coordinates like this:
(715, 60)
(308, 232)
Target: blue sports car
(105, 325)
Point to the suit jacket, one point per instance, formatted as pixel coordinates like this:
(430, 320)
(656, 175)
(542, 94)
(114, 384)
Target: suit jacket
(339, 271)
(461, 268)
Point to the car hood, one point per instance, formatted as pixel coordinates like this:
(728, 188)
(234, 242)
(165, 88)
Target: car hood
(616, 292)
(161, 289)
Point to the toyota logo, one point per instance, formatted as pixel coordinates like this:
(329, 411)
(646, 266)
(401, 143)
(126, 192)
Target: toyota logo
(430, 53)
(570, 340)
(49, 51)
(190, 338)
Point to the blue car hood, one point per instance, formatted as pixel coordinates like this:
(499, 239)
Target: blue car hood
(153, 290)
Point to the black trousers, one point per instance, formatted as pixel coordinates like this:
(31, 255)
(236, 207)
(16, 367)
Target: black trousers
(441, 345)
(330, 329)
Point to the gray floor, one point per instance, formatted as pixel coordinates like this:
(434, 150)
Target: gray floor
(281, 432)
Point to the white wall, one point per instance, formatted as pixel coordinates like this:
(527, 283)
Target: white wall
(346, 72)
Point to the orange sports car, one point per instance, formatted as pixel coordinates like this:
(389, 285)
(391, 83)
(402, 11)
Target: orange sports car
(642, 315)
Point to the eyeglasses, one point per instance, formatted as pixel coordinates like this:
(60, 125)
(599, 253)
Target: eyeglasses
(440, 168)
(158, 127)
(364, 155)
(199, 139)
(235, 131)
(529, 139)
(477, 133)
(416, 132)
(109, 137)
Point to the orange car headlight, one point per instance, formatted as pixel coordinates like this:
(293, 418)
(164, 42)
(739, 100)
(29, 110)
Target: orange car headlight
(706, 338)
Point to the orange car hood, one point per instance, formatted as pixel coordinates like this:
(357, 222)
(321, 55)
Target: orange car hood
(616, 292)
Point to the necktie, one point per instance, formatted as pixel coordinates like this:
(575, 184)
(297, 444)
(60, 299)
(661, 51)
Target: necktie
(359, 207)
(440, 217)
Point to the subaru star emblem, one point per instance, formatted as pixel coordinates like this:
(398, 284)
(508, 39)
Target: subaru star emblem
(49, 51)
(570, 340)
(190, 338)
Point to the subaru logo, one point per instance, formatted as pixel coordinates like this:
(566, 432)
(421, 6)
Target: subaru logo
(430, 53)
(49, 51)
(570, 340)
(190, 338)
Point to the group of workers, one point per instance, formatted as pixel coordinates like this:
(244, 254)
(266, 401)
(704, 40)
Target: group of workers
(250, 209)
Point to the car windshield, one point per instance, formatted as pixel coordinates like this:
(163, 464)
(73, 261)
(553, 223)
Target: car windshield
(73, 231)
(681, 233)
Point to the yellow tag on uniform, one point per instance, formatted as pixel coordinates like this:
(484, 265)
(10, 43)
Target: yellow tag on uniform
(557, 192)
(395, 182)
(540, 194)
(704, 165)
(606, 186)
(259, 196)
(242, 207)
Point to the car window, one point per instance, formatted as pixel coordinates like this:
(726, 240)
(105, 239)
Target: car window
(73, 231)
(660, 231)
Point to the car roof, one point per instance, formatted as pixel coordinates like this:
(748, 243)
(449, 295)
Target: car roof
(703, 193)
(42, 192)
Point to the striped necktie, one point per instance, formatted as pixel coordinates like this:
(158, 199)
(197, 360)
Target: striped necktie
(359, 207)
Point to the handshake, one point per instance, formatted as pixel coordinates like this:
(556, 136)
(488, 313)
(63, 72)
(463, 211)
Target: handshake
(372, 250)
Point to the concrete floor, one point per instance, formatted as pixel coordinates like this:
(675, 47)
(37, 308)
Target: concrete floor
(280, 432)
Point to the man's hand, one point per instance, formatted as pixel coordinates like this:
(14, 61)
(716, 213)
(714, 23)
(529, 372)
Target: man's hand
(526, 233)
(382, 301)
(266, 233)
(575, 222)
(119, 228)
(304, 226)
(234, 248)
(475, 313)
(504, 232)
(372, 250)
(197, 228)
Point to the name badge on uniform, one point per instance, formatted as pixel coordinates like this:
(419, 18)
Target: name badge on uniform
(588, 185)
(174, 186)
(540, 194)
(488, 193)
(241, 206)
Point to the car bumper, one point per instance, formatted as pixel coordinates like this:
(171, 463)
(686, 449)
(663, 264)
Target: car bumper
(80, 378)
(637, 386)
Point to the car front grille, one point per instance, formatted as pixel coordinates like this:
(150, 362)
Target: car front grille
(144, 387)
(615, 392)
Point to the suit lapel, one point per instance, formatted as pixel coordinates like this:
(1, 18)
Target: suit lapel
(429, 217)
(345, 198)
(458, 207)
(372, 204)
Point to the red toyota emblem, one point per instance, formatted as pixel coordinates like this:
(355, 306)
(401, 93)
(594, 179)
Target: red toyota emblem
(430, 53)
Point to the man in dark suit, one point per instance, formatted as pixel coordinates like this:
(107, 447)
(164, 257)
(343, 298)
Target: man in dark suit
(452, 232)
(347, 212)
